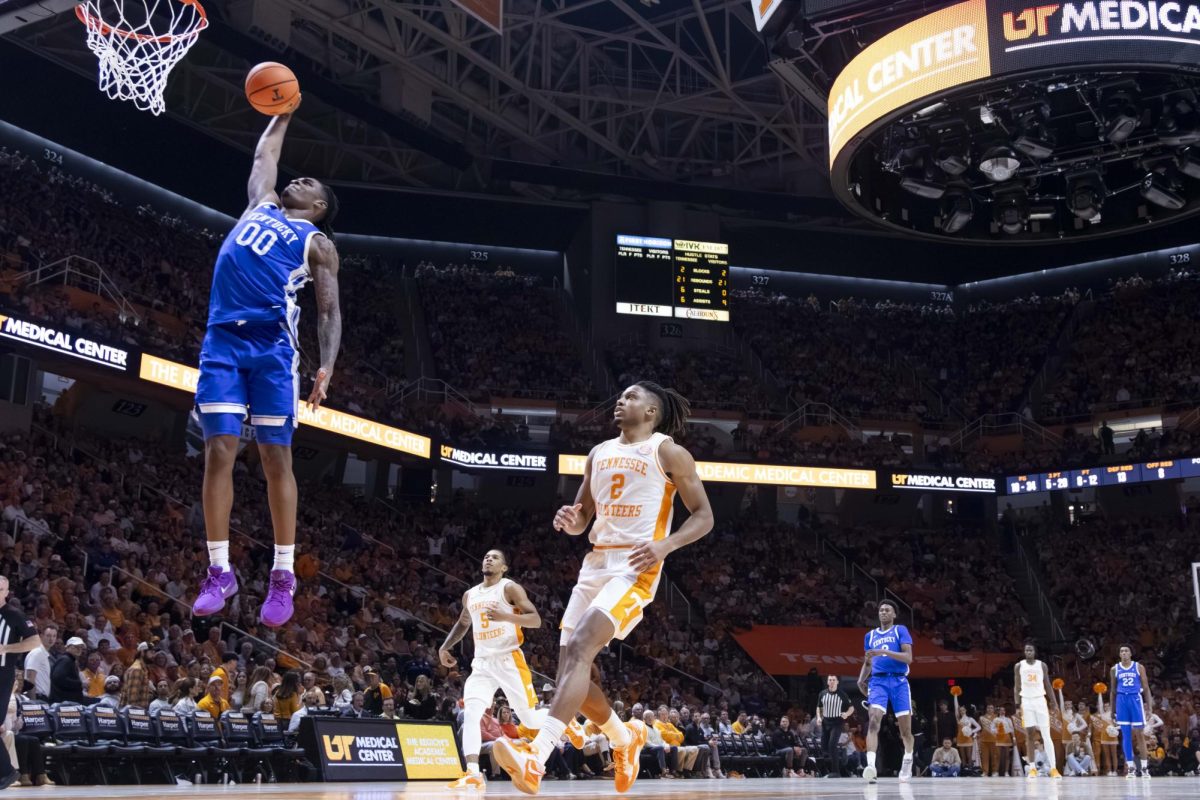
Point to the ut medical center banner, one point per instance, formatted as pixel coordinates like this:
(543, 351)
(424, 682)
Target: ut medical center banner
(794, 650)
(978, 39)
(380, 749)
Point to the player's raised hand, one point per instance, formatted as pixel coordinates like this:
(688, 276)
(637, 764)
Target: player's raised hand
(568, 519)
(320, 384)
(448, 661)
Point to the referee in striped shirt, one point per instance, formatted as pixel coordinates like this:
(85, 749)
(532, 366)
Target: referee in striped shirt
(833, 709)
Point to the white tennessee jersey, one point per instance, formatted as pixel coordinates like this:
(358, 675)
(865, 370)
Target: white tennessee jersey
(492, 638)
(633, 495)
(1033, 681)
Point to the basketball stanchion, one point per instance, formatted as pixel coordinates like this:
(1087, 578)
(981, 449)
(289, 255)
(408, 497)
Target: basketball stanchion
(138, 42)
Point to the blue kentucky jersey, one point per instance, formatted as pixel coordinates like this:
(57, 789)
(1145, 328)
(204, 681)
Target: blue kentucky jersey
(261, 266)
(892, 641)
(1129, 681)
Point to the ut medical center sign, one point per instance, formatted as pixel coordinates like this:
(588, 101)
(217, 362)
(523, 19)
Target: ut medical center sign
(64, 342)
(794, 650)
(380, 749)
(920, 62)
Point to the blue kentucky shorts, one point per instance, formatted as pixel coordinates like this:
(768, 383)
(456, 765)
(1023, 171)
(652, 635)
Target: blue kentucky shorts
(1129, 710)
(884, 689)
(249, 370)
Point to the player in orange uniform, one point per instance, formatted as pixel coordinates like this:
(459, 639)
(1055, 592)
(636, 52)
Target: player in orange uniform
(629, 486)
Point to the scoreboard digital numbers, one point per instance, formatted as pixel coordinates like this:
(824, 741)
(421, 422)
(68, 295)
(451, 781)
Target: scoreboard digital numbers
(678, 278)
(1112, 475)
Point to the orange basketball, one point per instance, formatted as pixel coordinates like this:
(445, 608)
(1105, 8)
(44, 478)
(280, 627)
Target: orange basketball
(272, 88)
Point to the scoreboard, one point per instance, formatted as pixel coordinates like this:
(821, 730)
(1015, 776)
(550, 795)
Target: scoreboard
(1111, 475)
(678, 278)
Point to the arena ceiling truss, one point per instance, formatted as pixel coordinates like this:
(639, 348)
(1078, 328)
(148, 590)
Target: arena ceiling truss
(419, 94)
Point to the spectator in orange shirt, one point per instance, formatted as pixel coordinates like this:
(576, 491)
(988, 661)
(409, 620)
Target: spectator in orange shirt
(214, 702)
(680, 759)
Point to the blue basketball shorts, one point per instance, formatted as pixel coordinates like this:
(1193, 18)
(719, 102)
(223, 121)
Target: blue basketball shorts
(893, 689)
(1129, 710)
(249, 371)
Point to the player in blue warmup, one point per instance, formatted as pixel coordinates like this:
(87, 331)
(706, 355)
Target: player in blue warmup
(250, 357)
(889, 651)
(1132, 706)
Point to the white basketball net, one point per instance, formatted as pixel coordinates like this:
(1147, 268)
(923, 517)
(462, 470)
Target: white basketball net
(138, 42)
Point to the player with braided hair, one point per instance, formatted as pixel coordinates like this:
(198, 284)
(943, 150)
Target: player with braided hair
(629, 486)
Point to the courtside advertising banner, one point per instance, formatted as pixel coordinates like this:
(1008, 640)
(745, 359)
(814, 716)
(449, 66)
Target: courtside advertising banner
(380, 750)
(920, 62)
(765, 474)
(940, 482)
(182, 377)
(794, 650)
(470, 458)
(63, 342)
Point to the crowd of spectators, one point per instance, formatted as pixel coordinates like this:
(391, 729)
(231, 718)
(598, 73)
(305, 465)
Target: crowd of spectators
(1099, 557)
(887, 360)
(924, 568)
(494, 332)
(709, 379)
(1133, 350)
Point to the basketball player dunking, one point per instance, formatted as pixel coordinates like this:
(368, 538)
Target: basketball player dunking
(250, 355)
(1132, 706)
(888, 652)
(629, 485)
(1031, 687)
(496, 611)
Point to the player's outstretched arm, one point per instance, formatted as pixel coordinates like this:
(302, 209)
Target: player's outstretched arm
(678, 463)
(324, 264)
(574, 519)
(461, 626)
(264, 174)
(514, 595)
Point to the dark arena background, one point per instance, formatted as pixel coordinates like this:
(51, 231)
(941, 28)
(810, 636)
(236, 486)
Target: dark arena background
(926, 272)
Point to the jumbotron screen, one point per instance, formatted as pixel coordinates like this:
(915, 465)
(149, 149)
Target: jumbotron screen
(681, 278)
(981, 39)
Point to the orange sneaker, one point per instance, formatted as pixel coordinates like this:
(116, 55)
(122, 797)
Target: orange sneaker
(627, 760)
(575, 734)
(521, 764)
(470, 780)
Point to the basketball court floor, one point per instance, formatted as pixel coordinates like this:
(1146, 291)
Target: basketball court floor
(751, 789)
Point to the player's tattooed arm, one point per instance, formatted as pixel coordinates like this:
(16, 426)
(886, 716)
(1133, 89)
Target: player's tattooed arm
(324, 265)
(461, 626)
(265, 172)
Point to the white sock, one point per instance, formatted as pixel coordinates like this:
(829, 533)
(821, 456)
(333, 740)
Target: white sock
(218, 554)
(908, 755)
(473, 767)
(1145, 765)
(548, 738)
(285, 556)
(618, 735)
(870, 759)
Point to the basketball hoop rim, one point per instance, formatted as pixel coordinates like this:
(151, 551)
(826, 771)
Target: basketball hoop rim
(104, 29)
